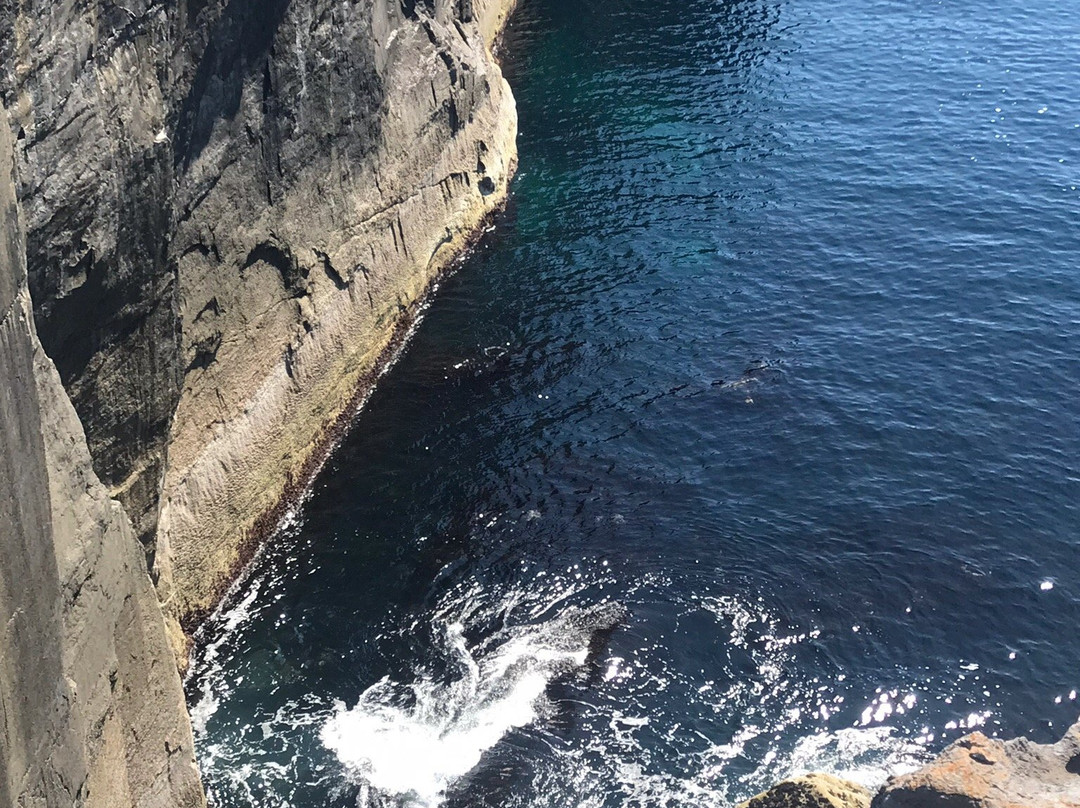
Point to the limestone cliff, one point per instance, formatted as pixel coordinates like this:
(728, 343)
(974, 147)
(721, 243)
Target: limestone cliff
(232, 209)
(230, 212)
(91, 710)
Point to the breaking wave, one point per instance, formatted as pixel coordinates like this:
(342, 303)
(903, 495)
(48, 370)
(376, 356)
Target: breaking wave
(548, 695)
(411, 741)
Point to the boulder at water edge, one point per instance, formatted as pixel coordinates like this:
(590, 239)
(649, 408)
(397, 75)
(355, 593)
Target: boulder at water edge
(812, 791)
(980, 772)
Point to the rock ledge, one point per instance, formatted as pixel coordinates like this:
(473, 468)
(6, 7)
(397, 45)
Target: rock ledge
(812, 791)
(974, 772)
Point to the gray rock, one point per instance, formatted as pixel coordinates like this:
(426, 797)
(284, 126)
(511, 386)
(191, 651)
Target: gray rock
(233, 208)
(981, 772)
(812, 791)
(91, 708)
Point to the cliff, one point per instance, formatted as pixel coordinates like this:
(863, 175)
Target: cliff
(232, 211)
(91, 710)
(219, 217)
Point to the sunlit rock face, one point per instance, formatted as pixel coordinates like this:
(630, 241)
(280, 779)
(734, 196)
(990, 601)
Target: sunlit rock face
(812, 791)
(981, 772)
(974, 772)
(221, 216)
(232, 210)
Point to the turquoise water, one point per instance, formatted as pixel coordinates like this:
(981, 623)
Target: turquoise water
(775, 353)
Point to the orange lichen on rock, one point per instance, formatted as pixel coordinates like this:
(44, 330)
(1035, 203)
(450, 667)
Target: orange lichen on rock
(982, 772)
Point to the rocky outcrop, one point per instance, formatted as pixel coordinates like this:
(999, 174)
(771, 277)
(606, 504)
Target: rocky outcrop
(812, 791)
(974, 772)
(91, 710)
(981, 772)
(233, 210)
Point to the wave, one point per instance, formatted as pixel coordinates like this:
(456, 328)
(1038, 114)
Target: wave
(407, 743)
(519, 696)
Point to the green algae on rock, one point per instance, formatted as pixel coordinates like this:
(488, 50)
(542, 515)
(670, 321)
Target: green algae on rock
(812, 791)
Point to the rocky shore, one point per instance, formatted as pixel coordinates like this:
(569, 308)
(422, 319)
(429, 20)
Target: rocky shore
(974, 772)
(218, 219)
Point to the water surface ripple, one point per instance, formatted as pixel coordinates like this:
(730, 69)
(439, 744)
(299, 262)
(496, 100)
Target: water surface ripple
(777, 350)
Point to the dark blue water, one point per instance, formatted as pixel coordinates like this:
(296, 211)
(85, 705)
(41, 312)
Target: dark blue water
(776, 348)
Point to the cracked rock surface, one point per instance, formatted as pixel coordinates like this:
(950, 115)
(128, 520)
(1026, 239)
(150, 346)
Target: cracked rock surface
(218, 217)
(232, 208)
(981, 772)
(974, 772)
(91, 708)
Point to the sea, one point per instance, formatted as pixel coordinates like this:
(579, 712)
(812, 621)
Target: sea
(746, 444)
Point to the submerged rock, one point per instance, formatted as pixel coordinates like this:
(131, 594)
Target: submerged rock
(812, 791)
(981, 772)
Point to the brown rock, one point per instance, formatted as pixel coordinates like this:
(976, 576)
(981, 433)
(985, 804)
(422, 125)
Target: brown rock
(812, 791)
(981, 772)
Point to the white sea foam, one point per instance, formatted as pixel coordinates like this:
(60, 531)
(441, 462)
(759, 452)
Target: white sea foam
(632, 743)
(412, 741)
(867, 756)
(643, 725)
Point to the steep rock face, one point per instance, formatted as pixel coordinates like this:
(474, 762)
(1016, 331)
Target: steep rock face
(85, 83)
(91, 710)
(232, 208)
(981, 772)
(301, 258)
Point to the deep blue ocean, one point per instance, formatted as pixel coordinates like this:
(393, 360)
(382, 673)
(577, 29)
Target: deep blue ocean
(747, 443)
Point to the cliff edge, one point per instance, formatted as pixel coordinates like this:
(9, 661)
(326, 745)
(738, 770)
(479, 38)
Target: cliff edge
(217, 218)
